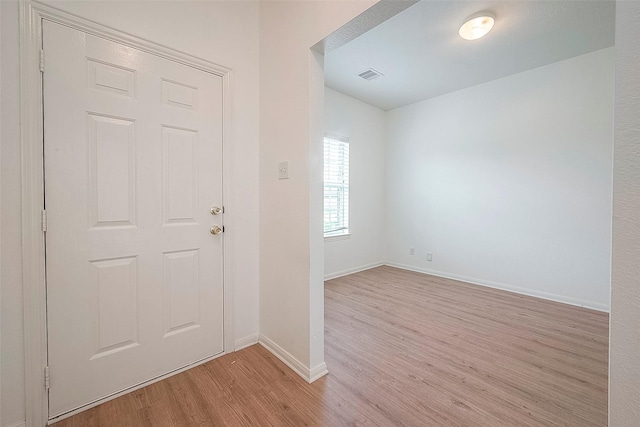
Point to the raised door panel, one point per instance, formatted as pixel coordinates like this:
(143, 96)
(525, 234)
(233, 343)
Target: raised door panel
(111, 78)
(180, 95)
(112, 171)
(116, 287)
(181, 289)
(179, 174)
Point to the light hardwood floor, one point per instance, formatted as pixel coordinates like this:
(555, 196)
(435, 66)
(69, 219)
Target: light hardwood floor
(403, 349)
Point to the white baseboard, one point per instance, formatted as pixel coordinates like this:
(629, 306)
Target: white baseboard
(309, 375)
(529, 292)
(318, 372)
(337, 274)
(247, 341)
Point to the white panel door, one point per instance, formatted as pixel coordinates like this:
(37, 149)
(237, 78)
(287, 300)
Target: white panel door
(133, 164)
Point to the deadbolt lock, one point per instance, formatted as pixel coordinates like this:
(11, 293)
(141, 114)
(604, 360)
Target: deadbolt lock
(215, 210)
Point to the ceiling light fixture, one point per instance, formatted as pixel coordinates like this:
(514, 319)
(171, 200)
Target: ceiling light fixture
(476, 26)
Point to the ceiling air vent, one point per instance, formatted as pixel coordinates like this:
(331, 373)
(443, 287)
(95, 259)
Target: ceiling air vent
(370, 74)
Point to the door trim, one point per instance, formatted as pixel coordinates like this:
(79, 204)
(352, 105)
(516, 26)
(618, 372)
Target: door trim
(32, 15)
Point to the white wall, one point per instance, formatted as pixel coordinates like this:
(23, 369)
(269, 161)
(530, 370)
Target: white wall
(222, 32)
(365, 126)
(508, 183)
(624, 368)
(291, 264)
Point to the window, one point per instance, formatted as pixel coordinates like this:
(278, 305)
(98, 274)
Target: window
(336, 186)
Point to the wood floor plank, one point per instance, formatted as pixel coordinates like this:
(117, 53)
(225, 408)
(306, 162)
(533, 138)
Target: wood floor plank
(403, 349)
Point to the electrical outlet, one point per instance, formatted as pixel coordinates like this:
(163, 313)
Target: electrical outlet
(429, 256)
(412, 251)
(283, 170)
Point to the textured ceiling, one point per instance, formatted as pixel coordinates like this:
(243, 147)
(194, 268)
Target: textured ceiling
(421, 55)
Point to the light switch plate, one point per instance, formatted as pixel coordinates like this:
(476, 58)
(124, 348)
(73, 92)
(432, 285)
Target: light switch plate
(283, 170)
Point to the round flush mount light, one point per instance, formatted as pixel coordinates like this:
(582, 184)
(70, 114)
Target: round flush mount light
(476, 26)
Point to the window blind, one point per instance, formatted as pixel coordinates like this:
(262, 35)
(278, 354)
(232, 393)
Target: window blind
(336, 186)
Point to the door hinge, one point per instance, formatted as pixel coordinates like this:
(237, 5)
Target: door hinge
(47, 379)
(42, 60)
(44, 220)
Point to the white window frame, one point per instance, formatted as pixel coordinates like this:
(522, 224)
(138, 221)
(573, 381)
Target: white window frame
(343, 232)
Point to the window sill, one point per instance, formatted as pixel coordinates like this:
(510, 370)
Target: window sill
(336, 237)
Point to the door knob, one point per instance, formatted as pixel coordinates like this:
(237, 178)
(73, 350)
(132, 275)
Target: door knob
(215, 230)
(215, 210)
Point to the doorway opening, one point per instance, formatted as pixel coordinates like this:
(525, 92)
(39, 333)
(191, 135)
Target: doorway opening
(468, 157)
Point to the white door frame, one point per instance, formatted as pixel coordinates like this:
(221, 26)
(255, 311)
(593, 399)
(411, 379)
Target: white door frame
(33, 243)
